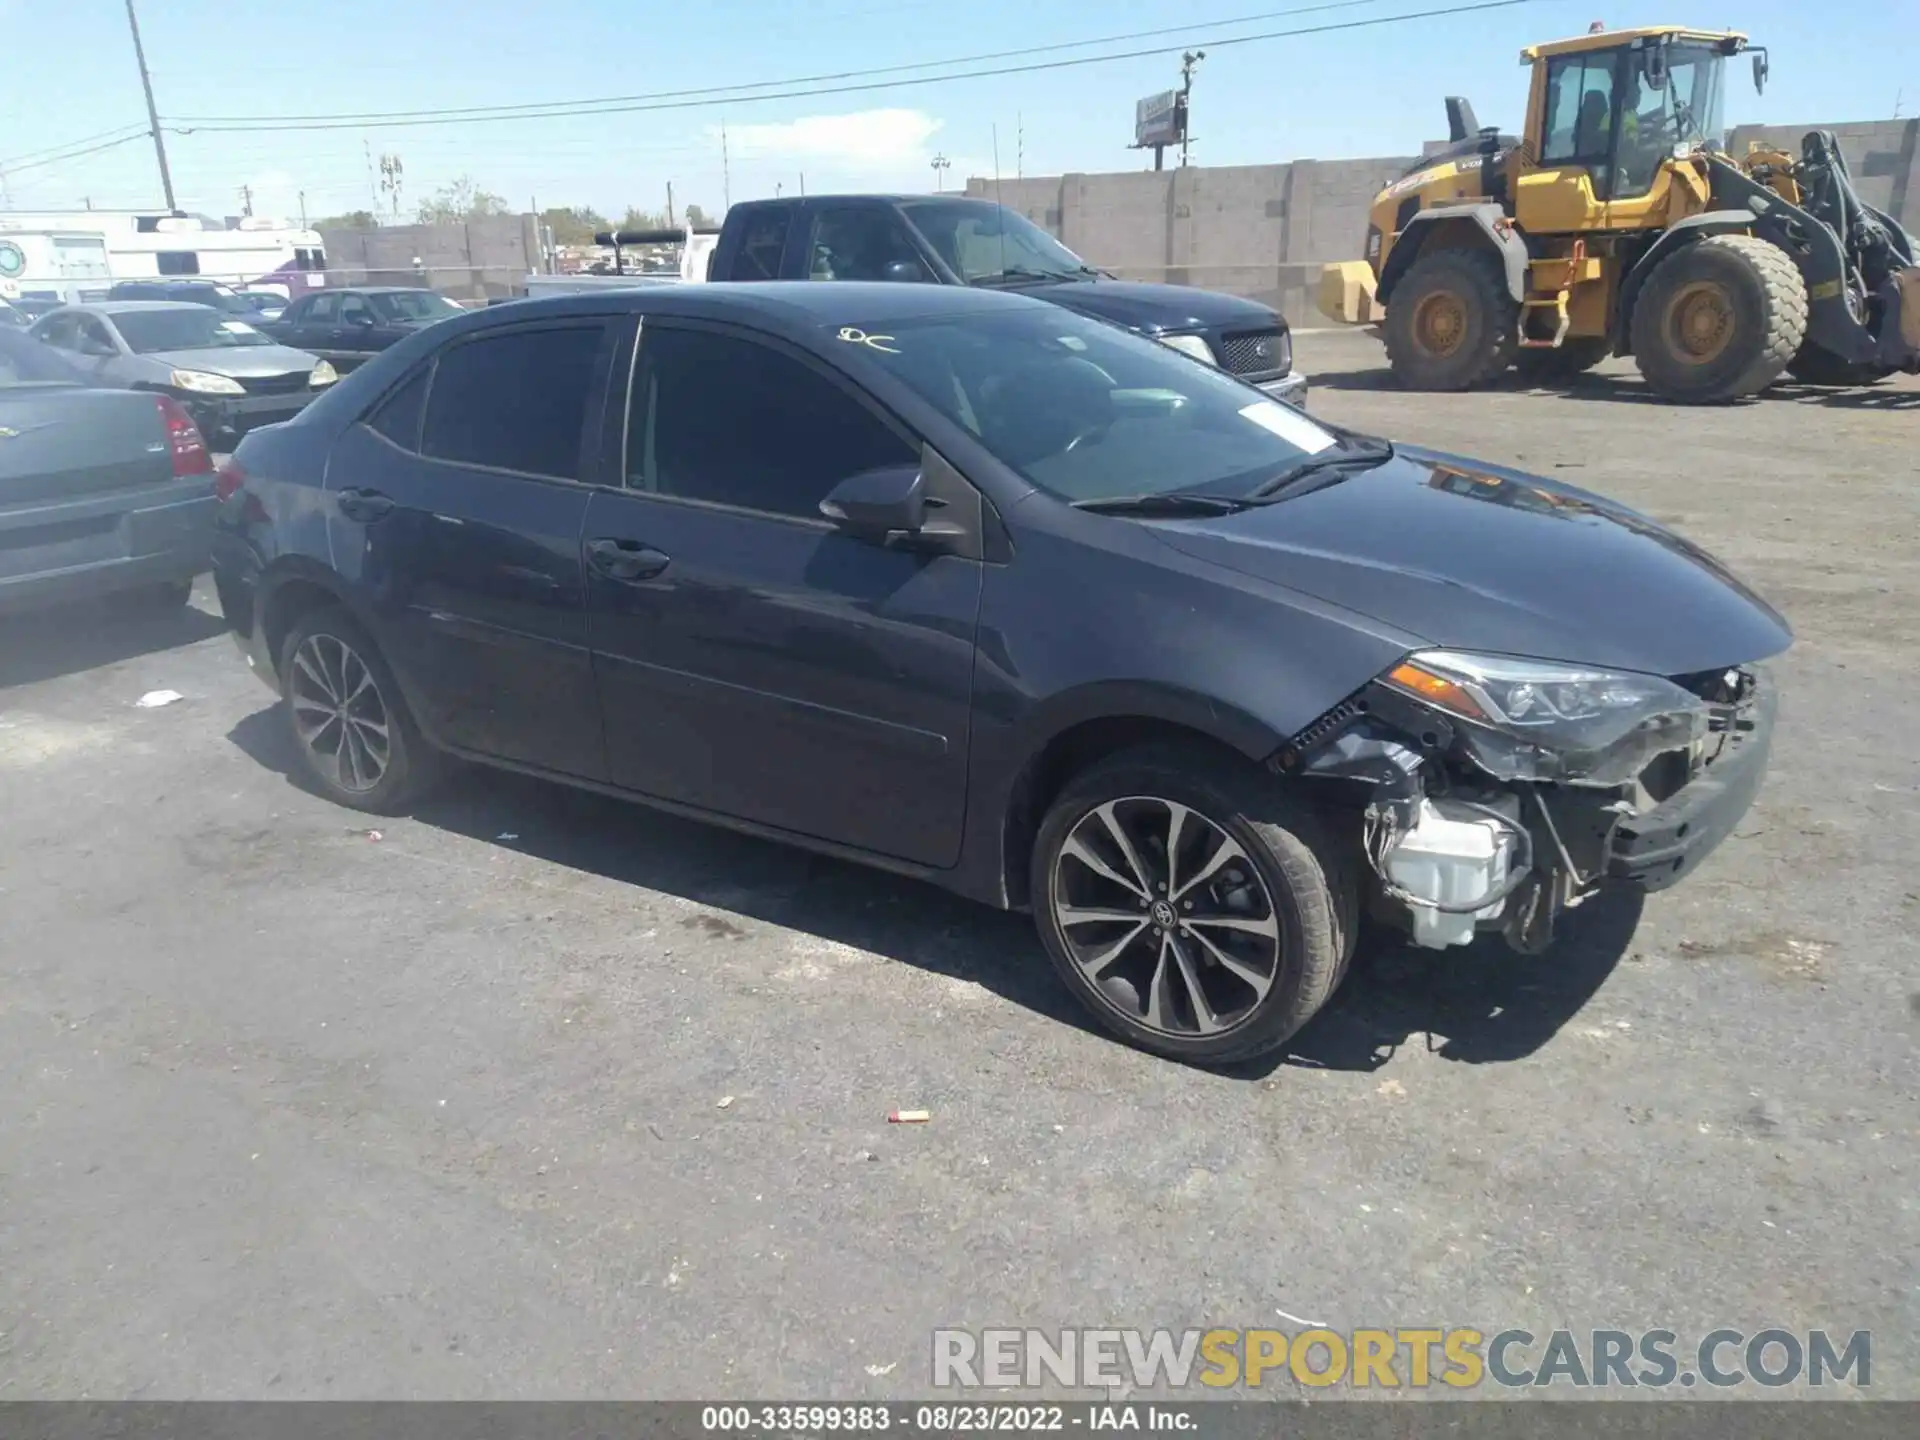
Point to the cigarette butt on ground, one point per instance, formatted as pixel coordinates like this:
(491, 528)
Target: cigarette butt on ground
(908, 1117)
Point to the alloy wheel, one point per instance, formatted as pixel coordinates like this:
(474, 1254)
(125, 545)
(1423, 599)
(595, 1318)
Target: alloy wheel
(339, 713)
(1166, 916)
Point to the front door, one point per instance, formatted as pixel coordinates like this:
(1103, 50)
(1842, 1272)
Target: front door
(456, 512)
(752, 660)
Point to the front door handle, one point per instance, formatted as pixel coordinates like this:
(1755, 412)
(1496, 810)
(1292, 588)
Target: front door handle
(363, 505)
(626, 560)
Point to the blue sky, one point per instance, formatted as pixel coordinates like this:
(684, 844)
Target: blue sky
(1365, 91)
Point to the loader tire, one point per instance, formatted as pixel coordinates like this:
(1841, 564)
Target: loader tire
(1718, 320)
(1452, 323)
(1565, 360)
(1814, 366)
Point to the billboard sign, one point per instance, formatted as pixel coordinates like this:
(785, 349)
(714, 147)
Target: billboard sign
(1158, 120)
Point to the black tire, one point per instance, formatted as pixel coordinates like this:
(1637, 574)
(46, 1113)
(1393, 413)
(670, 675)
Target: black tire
(1452, 324)
(1564, 361)
(1309, 893)
(410, 765)
(1814, 366)
(1719, 319)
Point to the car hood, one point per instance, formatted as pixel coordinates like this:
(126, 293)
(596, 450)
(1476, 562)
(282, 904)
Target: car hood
(237, 362)
(1154, 308)
(1475, 557)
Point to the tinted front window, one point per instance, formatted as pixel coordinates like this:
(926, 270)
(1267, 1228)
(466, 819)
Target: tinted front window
(763, 238)
(197, 328)
(1088, 411)
(404, 305)
(732, 422)
(859, 244)
(516, 401)
(984, 242)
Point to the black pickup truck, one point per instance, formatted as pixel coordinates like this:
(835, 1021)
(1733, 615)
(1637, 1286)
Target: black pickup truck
(955, 240)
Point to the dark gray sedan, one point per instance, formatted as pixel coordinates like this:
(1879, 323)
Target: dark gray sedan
(101, 491)
(229, 376)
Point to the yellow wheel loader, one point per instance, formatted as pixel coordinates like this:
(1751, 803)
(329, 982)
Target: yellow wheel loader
(1616, 226)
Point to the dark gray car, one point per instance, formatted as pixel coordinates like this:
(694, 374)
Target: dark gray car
(102, 491)
(986, 591)
(229, 376)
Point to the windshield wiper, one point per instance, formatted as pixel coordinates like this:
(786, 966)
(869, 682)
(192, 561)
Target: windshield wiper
(1329, 467)
(1171, 502)
(1022, 272)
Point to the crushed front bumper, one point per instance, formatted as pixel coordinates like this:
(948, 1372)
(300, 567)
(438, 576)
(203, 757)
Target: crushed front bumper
(1660, 846)
(1290, 387)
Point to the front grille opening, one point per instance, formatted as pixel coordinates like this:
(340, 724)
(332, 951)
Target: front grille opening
(273, 384)
(1256, 352)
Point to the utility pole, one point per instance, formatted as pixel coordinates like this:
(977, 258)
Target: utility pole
(669, 205)
(153, 115)
(1188, 62)
(803, 182)
(303, 209)
(246, 201)
(726, 175)
(373, 186)
(940, 167)
(1019, 144)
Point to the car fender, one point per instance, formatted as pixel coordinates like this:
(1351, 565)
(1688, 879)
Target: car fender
(1494, 228)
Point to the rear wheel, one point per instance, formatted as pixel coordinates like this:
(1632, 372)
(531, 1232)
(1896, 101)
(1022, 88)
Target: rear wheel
(1452, 323)
(1719, 319)
(1569, 358)
(1191, 904)
(1814, 366)
(354, 737)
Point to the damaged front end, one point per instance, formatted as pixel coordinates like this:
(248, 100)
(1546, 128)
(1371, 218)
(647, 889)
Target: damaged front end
(1494, 793)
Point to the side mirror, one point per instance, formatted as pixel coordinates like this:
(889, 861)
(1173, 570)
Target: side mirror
(879, 504)
(907, 271)
(1760, 71)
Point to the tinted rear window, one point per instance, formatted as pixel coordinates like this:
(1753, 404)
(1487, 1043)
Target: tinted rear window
(516, 401)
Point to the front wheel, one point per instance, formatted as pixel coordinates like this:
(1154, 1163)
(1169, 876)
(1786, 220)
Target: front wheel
(1191, 904)
(1719, 319)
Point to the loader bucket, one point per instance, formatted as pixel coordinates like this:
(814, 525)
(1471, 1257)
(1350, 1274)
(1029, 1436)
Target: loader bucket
(1347, 295)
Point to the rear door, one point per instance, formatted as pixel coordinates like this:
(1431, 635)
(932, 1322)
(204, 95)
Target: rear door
(456, 510)
(312, 331)
(752, 659)
(351, 341)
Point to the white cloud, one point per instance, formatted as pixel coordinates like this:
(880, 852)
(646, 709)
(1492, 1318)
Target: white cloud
(865, 138)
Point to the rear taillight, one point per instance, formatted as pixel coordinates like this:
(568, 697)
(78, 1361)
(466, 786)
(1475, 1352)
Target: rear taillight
(190, 454)
(228, 479)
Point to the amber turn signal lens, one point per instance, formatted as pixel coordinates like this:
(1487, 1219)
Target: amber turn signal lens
(1435, 690)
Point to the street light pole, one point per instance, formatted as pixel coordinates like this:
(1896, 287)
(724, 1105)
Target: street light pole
(153, 115)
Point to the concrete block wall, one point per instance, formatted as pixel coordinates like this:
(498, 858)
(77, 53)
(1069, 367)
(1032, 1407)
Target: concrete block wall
(473, 260)
(1264, 231)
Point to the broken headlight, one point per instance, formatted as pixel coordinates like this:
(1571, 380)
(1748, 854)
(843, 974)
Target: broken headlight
(1539, 720)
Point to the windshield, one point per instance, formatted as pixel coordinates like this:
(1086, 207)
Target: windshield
(1087, 411)
(983, 242)
(146, 331)
(404, 305)
(1688, 106)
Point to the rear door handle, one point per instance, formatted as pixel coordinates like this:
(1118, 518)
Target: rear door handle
(626, 560)
(364, 505)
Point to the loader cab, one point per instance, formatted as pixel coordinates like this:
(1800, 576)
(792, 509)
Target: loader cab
(1605, 114)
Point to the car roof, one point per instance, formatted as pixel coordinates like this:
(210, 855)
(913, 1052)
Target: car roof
(375, 290)
(781, 304)
(128, 307)
(870, 198)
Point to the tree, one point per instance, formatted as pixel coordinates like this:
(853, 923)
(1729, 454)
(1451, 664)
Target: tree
(638, 219)
(463, 199)
(352, 220)
(574, 224)
(699, 219)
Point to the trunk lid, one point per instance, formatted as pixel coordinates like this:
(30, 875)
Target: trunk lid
(61, 442)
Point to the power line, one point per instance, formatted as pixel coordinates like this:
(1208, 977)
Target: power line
(374, 117)
(13, 169)
(600, 108)
(133, 131)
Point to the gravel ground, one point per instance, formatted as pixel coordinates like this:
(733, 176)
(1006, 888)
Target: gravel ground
(289, 1109)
